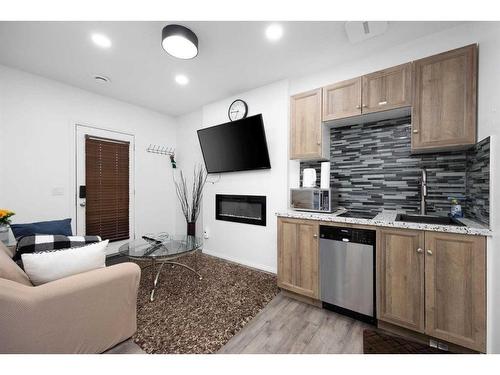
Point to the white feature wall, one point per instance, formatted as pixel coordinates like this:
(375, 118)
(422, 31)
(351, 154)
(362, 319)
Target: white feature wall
(37, 155)
(188, 156)
(252, 245)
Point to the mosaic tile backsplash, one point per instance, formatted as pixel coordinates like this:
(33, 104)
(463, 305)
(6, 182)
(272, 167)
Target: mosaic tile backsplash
(372, 168)
(478, 182)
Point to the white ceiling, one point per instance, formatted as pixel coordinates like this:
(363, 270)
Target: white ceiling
(233, 56)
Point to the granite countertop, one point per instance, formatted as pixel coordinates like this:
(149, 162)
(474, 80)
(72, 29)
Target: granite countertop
(387, 218)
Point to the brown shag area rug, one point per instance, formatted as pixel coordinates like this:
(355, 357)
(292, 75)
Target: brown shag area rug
(190, 315)
(375, 342)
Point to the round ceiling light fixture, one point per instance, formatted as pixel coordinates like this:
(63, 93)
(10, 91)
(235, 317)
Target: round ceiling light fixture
(101, 40)
(274, 32)
(179, 41)
(181, 79)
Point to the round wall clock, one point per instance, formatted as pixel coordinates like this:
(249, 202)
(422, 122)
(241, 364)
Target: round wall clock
(237, 110)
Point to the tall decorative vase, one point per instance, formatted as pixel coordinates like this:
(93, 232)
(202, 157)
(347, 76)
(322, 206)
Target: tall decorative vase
(191, 228)
(4, 233)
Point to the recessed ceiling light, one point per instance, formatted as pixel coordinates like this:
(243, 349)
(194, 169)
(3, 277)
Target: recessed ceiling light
(101, 40)
(274, 32)
(179, 41)
(181, 79)
(102, 79)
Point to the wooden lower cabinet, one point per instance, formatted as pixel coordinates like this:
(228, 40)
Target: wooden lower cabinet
(455, 280)
(433, 283)
(298, 252)
(400, 278)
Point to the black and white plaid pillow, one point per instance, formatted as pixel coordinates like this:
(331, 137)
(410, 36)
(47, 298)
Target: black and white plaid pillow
(45, 242)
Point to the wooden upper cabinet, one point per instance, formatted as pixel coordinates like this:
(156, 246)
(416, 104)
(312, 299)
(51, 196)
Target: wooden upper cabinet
(400, 277)
(444, 100)
(306, 126)
(455, 273)
(342, 99)
(387, 89)
(298, 252)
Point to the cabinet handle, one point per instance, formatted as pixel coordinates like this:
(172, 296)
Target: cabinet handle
(384, 102)
(319, 143)
(315, 235)
(419, 250)
(415, 131)
(358, 106)
(429, 252)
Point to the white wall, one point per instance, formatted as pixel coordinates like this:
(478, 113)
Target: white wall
(487, 34)
(188, 155)
(252, 245)
(37, 119)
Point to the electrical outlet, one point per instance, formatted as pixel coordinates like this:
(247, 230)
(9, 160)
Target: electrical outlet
(205, 234)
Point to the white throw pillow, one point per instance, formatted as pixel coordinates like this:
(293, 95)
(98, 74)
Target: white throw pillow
(52, 265)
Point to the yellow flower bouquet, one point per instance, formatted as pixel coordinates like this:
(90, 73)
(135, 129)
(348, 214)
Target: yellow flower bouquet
(5, 216)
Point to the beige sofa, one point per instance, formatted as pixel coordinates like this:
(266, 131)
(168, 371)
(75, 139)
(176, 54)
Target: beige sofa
(85, 313)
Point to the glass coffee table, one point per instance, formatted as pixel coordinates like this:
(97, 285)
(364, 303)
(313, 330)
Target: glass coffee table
(163, 251)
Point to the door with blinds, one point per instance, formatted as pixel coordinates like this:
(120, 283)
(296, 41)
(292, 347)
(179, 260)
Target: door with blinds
(104, 186)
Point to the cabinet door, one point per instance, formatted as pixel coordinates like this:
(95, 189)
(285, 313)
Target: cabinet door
(400, 278)
(444, 100)
(342, 99)
(305, 125)
(298, 267)
(455, 272)
(387, 89)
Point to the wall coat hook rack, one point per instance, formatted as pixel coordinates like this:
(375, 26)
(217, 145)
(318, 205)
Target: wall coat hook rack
(161, 150)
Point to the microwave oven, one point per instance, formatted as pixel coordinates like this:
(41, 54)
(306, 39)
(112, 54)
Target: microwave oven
(311, 199)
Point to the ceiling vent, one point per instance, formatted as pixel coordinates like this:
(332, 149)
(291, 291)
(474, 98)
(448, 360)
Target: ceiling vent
(358, 31)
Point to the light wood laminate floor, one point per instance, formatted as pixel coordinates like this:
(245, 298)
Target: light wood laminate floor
(288, 326)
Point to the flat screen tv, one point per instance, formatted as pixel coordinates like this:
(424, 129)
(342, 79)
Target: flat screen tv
(235, 146)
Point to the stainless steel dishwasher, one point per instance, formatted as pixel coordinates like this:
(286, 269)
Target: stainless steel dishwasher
(347, 271)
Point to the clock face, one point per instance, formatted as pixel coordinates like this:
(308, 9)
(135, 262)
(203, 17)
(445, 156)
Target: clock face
(237, 110)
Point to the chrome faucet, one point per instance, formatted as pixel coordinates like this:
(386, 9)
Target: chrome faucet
(423, 192)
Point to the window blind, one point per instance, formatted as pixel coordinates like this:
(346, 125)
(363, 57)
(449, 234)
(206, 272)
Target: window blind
(107, 192)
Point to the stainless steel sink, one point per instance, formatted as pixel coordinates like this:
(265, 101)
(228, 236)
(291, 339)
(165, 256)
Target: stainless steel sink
(428, 219)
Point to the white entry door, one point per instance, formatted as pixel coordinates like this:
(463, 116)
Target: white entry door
(82, 132)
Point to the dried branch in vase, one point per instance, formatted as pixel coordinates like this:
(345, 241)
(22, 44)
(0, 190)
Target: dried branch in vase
(191, 207)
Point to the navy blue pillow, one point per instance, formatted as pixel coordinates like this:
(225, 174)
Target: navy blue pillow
(62, 227)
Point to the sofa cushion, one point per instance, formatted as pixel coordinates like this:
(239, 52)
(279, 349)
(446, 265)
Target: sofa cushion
(10, 251)
(47, 266)
(62, 227)
(43, 242)
(10, 270)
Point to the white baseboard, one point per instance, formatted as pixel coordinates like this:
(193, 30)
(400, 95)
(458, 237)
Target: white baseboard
(240, 261)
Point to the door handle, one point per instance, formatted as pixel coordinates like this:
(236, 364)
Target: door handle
(419, 250)
(429, 252)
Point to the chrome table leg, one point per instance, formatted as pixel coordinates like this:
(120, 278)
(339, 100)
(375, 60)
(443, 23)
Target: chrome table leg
(154, 278)
(185, 266)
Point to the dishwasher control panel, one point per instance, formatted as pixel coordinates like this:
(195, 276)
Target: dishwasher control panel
(361, 236)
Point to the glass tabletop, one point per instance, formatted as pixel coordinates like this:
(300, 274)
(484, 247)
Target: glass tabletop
(166, 246)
